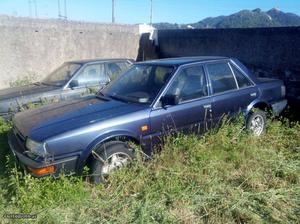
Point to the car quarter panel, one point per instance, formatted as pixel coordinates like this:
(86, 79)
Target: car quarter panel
(270, 89)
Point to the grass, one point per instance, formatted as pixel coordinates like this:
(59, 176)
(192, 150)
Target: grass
(26, 80)
(225, 176)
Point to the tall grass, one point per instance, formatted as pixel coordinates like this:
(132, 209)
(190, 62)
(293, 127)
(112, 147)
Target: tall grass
(26, 80)
(226, 176)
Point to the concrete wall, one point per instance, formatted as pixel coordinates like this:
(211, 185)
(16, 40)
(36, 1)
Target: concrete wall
(36, 47)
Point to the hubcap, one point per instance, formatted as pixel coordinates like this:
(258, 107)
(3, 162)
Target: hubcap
(257, 125)
(114, 162)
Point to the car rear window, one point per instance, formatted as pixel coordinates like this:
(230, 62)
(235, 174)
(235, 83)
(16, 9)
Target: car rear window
(241, 79)
(115, 69)
(221, 77)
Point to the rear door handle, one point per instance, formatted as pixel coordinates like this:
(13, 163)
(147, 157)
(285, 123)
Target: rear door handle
(252, 94)
(207, 106)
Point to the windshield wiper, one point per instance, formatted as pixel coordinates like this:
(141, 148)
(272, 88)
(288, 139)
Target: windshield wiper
(102, 96)
(41, 83)
(120, 98)
(52, 84)
(100, 93)
(37, 83)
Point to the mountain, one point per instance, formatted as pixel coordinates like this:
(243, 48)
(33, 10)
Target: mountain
(242, 19)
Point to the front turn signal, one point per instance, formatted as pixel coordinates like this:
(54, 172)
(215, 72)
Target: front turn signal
(42, 171)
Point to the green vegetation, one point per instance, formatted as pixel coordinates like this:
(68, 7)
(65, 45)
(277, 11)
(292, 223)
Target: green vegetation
(222, 177)
(26, 80)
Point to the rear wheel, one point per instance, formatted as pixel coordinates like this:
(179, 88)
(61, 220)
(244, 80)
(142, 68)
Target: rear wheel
(108, 158)
(256, 122)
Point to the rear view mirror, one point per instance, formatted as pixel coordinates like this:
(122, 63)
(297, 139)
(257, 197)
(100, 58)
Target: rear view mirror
(169, 100)
(73, 84)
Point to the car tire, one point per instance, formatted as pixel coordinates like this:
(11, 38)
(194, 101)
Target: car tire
(256, 122)
(113, 155)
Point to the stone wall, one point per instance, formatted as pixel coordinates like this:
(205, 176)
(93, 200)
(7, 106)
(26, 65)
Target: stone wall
(34, 47)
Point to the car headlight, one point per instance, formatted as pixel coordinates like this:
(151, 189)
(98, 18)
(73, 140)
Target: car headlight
(36, 148)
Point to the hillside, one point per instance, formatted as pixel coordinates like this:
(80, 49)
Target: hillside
(242, 19)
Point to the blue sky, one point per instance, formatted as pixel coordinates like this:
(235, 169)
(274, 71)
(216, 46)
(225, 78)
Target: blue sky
(138, 11)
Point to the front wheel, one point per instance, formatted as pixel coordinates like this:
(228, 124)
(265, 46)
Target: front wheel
(256, 122)
(108, 158)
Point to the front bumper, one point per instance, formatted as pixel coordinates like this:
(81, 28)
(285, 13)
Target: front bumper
(65, 165)
(278, 107)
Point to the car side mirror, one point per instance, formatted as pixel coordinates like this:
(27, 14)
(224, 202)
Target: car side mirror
(73, 84)
(169, 100)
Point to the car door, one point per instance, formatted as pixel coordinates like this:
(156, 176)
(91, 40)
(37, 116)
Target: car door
(192, 114)
(232, 91)
(89, 79)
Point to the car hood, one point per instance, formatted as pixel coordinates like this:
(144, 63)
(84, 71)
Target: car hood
(16, 92)
(48, 121)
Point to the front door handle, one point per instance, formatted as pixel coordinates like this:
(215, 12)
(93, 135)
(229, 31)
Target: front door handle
(207, 106)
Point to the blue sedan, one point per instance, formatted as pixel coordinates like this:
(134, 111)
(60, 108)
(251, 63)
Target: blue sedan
(149, 101)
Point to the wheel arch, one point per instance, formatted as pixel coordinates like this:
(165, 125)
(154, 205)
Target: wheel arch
(123, 136)
(262, 105)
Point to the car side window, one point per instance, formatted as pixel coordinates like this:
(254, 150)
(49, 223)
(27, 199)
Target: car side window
(124, 64)
(92, 75)
(115, 69)
(189, 84)
(221, 77)
(241, 79)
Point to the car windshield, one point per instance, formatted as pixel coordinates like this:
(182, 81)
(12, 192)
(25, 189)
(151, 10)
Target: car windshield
(140, 84)
(62, 74)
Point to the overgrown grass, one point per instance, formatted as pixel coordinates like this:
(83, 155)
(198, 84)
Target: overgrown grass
(26, 80)
(222, 177)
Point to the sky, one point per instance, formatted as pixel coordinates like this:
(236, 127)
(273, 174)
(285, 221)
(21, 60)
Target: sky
(138, 11)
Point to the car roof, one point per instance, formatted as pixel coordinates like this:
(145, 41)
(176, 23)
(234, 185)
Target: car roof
(183, 60)
(85, 61)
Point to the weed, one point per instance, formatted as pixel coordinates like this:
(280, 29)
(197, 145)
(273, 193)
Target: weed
(225, 176)
(26, 80)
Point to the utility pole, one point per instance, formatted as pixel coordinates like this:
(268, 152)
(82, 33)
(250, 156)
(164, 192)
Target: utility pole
(151, 11)
(58, 8)
(113, 11)
(66, 17)
(35, 8)
(60, 16)
(29, 8)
